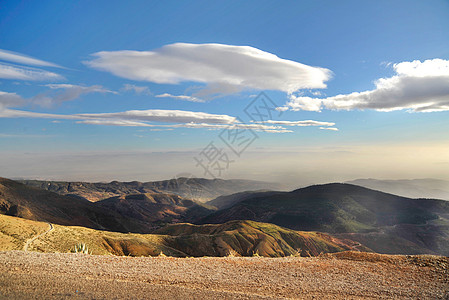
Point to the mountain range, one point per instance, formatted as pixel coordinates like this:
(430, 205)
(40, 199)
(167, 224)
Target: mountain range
(374, 220)
(140, 213)
(199, 189)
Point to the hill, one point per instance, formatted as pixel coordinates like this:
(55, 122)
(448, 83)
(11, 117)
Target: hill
(227, 201)
(384, 222)
(413, 188)
(155, 209)
(199, 189)
(31, 203)
(132, 213)
(238, 238)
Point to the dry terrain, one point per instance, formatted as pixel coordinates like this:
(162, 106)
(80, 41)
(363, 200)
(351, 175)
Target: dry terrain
(346, 275)
(239, 238)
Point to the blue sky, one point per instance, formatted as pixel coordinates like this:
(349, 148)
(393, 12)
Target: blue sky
(308, 57)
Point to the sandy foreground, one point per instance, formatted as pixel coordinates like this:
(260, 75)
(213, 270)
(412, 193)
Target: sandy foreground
(31, 275)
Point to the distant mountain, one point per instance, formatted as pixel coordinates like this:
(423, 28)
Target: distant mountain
(140, 213)
(226, 201)
(414, 188)
(155, 209)
(238, 238)
(190, 188)
(422, 224)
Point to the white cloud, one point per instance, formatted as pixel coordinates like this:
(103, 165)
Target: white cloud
(168, 116)
(180, 97)
(417, 86)
(224, 68)
(160, 127)
(300, 123)
(24, 59)
(115, 123)
(329, 128)
(139, 118)
(136, 89)
(171, 119)
(154, 115)
(8, 71)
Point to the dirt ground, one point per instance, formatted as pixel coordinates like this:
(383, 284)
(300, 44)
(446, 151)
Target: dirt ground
(31, 275)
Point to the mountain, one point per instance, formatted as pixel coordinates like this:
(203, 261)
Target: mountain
(414, 188)
(238, 238)
(191, 188)
(226, 201)
(155, 209)
(127, 213)
(384, 222)
(31, 203)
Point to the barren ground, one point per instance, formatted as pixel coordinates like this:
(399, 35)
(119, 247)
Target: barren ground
(346, 275)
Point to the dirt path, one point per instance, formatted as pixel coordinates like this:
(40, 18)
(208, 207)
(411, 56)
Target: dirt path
(29, 241)
(32, 275)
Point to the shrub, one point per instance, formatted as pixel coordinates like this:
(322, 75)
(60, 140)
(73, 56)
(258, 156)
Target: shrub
(81, 248)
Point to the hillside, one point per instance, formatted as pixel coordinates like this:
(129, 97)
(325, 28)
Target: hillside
(227, 201)
(386, 223)
(155, 209)
(238, 238)
(31, 203)
(413, 188)
(132, 213)
(200, 189)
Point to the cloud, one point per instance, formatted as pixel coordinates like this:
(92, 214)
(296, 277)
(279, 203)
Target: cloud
(152, 115)
(10, 100)
(8, 71)
(136, 89)
(329, 128)
(14, 113)
(125, 123)
(139, 118)
(69, 92)
(223, 68)
(417, 86)
(170, 119)
(24, 59)
(180, 97)
(299, 123)
(167, 116)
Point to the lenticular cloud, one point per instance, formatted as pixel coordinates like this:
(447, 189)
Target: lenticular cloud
(224, 68)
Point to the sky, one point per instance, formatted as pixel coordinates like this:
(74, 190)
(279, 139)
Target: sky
(296, 92)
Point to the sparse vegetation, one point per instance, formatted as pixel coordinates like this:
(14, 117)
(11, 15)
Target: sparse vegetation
(81, 248)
